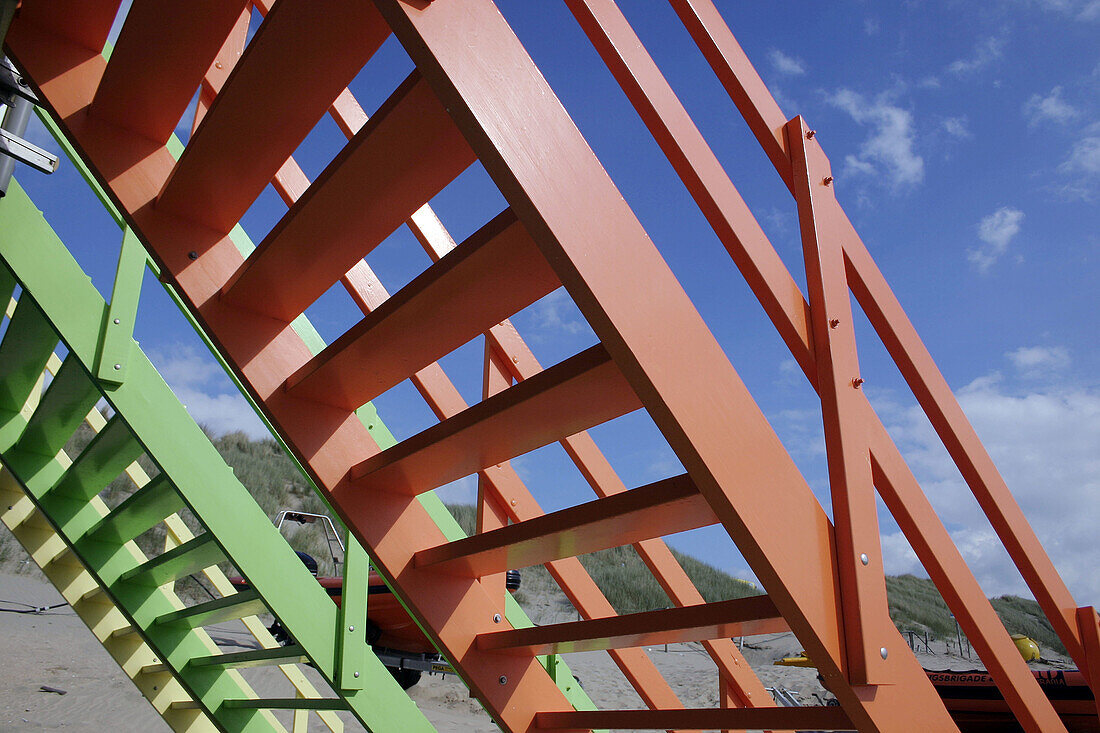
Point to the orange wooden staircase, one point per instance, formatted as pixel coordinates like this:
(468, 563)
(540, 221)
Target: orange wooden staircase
(475, 95)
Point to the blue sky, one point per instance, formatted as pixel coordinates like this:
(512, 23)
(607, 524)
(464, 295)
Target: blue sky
(965, 140)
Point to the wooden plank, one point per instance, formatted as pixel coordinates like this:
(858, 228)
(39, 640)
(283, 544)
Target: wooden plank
(498, 271)
(664, 507)
(580, 392)
(159, 60)
(775, 718)
(405, 154)
(277, 92)
(724, 619)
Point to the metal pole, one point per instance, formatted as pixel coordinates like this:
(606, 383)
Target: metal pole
(15, 122)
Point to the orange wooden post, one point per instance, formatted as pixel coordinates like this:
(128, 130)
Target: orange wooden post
(767, 122)
(855, 515)
(490, 514)
(1089, 626)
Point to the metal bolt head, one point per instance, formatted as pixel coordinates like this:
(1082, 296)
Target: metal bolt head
(827, 180)
(192, 255)
(883, 653)
(864, 559)
(503, 680)
(810, 134)
(496, 618)
(355, 675)
(857, 382)
(834, 323)
(117, 367)
(351, 628)
(117, 321)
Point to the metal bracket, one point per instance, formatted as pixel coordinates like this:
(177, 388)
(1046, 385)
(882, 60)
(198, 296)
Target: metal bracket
(19, 102)
(27, 153)
(13, 85)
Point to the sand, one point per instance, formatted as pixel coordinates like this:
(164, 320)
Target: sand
(55, 649)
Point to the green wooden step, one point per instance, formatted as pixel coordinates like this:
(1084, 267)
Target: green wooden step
(227, 608)
(138, 513)
(105, 457)
(27, 345)
(179, 562)
(288, 703)
(70, 396)
(291, 654)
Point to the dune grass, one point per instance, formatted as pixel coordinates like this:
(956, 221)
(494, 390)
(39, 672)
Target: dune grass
(276, 483)
(914, 602)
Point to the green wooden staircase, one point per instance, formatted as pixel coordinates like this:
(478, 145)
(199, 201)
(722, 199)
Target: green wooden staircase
(65, 351)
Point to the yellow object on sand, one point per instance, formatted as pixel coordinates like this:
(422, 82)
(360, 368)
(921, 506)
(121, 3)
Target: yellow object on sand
(1029, 650)
(800, 661)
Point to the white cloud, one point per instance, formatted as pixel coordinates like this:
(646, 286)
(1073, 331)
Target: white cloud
(556, 314)
(985, 52)
(996, 232)
(958, 127)
(204, 389)
(1033, 360)
(1081, 168)
(889, 150)
(785, 64)
(1079, 9)
(1084, 158)
(1044, 444)
(1051, 108)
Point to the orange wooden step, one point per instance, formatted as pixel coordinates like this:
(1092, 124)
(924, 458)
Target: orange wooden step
(664, 507)
(767, 718)
(583, 391)
(80, 21)
(723, 619)
(497, 272)
(277, 92)
(159, 61)
(404, 155)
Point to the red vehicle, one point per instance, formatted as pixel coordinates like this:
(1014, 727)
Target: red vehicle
(394, 637)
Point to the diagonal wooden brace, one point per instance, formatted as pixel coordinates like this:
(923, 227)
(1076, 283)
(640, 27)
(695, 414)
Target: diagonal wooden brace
(859, 556)
(351, 634)
(117, 334)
